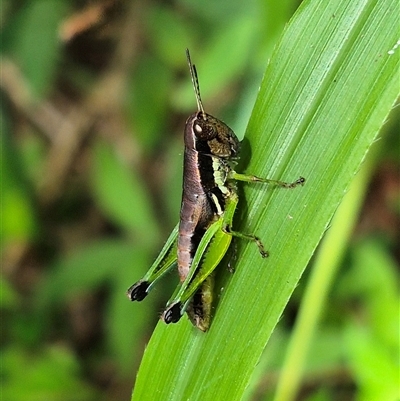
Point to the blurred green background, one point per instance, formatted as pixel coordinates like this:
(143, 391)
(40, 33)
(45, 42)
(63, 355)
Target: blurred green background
(95, 95)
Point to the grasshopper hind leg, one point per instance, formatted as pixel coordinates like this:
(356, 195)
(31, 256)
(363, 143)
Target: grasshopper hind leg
(138, 291)
(173, 313)
(198, 308)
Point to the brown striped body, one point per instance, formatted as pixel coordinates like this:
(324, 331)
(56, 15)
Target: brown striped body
(209, 144)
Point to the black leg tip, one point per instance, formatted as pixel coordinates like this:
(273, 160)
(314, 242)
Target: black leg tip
(301, 181)
(172, 314)
(138, 291)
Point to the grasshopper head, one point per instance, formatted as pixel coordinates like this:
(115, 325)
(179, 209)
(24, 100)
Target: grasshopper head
(205, 133)
(210, 135)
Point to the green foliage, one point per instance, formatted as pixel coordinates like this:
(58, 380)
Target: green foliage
(373, 345)
(18, 216)
(36, 49)
(145, 103)
(326, 62)
(51, 375)
(119, 192)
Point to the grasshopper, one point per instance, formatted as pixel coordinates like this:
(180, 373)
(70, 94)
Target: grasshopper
(204, 232)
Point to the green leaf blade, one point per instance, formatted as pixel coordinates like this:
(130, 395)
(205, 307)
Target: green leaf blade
(327, 91)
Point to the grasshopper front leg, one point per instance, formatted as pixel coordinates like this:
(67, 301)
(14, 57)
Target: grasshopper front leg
(233, 175)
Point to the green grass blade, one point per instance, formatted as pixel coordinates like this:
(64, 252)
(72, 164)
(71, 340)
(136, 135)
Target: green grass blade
(326, 92)
(325, 267)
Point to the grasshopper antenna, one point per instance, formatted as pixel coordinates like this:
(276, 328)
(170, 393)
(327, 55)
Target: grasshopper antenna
(195, 81)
